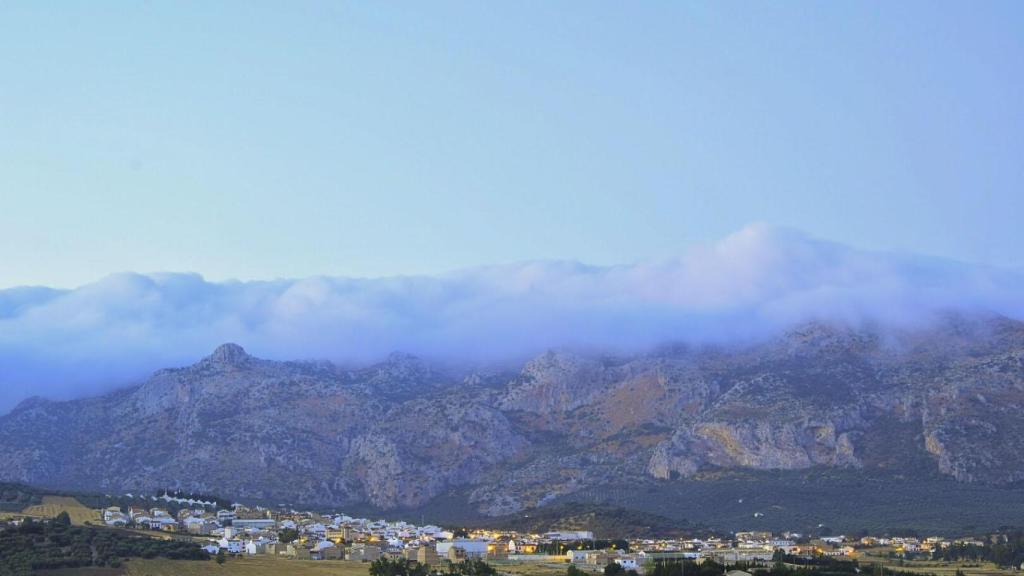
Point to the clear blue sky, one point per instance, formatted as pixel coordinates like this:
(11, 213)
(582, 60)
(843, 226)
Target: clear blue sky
(287, 139)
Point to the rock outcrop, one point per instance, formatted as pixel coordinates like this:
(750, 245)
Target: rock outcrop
(947, 400)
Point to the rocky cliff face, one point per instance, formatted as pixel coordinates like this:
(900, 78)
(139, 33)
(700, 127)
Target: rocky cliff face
(943, 401)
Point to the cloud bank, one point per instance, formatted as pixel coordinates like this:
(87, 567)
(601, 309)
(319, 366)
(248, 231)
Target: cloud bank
(65, 343)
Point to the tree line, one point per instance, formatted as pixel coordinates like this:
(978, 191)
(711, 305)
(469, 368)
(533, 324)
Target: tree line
(402, 567)
(1006, 550)
(53, 544)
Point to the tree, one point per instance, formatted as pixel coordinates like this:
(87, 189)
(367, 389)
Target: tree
(63, 519)
(220, 556)
(398, 567)
(613, 569)
(288, 535)
(474, 567)
(574, 571)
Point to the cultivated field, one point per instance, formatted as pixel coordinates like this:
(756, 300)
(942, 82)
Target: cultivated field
(51, 506)
(271, 566)
(530, 568)
(245, 566)
(939, 568)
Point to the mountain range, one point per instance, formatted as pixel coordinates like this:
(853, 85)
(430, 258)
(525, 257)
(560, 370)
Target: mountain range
(935, 406)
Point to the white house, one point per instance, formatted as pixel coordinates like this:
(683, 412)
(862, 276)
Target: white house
(256, 523)
(577, 556)
(257, 546)
(627, 563)
(472, 548)
(570, 535)
(197, 525)
(230, 546)
(114, 517)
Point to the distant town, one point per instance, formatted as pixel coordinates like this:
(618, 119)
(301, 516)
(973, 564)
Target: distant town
(245, 530)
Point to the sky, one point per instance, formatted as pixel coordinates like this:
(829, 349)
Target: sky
(268, 140)
(751, 285)
(481, 180)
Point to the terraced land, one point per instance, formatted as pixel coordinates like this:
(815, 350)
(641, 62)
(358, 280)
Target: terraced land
(51, 506)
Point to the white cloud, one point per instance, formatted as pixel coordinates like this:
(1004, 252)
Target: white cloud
(753, 283)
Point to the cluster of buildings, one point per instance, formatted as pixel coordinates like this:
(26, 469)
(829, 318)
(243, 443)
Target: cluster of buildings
(308, 535)
(761, 546)
(303, 535)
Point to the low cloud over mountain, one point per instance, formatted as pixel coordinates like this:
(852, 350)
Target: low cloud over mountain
(65, 343)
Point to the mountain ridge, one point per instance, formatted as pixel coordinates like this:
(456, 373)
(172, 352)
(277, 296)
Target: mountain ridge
(943, 402)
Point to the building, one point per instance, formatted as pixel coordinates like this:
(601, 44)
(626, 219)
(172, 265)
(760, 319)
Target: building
(231, 546)
(327, 550)
(497, 550)
(628, 562)
(598, 557)
(254, 523)
(114, 517)
(470, 548)
(754, 536)
(644, 556)
(427, 555)
(735, 555)
(277, 548)
(156, 523)
(570, 535)
(577, 556)
(364, 553)
(258, 546)
(200, 526)
(522, 547)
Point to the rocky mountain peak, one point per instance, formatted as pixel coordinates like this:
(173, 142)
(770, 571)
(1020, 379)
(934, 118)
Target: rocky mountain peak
(555, 381)
(31, 403)
(947, 403)
(229, 354)
(398, 358)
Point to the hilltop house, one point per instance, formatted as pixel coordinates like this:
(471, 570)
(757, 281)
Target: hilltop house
(114, 517)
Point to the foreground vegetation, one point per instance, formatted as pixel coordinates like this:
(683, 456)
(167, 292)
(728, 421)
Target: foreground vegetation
(262, 565)
(402, 567)
(1006, 550)
(56, 543)
(822, 566)
(17, 497)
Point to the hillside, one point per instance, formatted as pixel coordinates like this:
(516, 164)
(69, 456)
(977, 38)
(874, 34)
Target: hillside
(938, 408)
